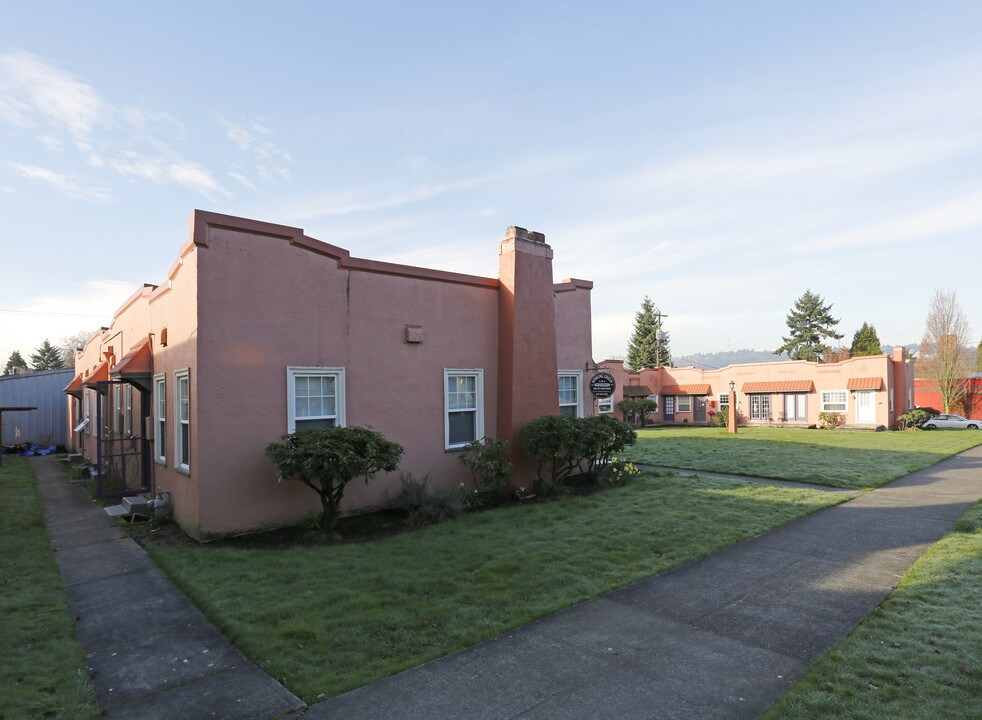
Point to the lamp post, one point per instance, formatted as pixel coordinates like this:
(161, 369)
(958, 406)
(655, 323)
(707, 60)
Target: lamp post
(731, 416)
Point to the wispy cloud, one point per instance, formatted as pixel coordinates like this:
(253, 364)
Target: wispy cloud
(63, 184)
(269, 161)
(64, 111)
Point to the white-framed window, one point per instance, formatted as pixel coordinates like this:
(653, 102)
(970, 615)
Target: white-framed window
(835, 400)
(314, 398)
(724, 400)
(117, 392)
(463, 398)
(606, 406)
(160, 418)
(891, 402)
(570, 401)
(683, 403)
(182, 421)
(128, 410)
(760, 407)
(86, 410)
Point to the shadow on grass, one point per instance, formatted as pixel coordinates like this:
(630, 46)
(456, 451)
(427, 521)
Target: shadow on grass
(830, 461)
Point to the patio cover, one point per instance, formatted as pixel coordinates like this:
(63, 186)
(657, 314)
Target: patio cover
(866, 383)
(779, 386)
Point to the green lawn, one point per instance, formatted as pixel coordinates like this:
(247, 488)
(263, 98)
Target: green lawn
(918, 656)
(42, 674)
(326, 619)
(839, 458)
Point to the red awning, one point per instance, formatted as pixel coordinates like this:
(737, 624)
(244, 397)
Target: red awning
(779, 386)
(694, 389)
(100, 374)
(866, 383)
(138, 361)
(75, 387)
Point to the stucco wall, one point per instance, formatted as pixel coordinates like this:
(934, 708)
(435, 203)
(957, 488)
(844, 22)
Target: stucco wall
(823, 376)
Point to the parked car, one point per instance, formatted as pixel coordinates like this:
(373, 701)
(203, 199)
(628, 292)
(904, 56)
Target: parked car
(953, 422)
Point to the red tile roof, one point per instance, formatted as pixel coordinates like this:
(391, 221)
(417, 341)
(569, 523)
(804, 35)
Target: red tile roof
(866, 383)
(75, 387)
(693, 389)
(779, 386)
(138, 361)
(100, 374)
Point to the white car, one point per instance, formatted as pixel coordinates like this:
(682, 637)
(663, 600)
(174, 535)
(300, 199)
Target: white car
(954, 422)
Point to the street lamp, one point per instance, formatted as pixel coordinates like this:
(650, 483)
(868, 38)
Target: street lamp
(731, 418)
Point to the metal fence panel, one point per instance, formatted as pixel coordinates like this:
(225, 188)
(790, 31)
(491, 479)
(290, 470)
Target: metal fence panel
(48, 425)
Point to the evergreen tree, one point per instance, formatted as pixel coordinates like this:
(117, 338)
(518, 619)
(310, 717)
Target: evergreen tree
(47, 357)
(810, 322)
(15, 362)
(865, 341)
(978, 357)
(648, 348)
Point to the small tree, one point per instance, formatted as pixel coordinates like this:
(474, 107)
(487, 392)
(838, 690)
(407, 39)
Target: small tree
(978, 358)
(637, 406)
(865, 342)
(327, 459)
(810, 322)
(47, 357)
(69, 343)
(15, 363)
(944, 359)
(648, 346)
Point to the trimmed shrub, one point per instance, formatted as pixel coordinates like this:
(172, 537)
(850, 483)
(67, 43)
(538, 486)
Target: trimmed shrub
(487, 459)
(830, 420)
(637, 408)
(917, 416)
(564, 445)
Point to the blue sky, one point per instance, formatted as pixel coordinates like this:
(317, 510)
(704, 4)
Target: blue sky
(718, 157)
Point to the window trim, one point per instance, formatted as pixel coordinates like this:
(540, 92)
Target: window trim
(181, 464)
(823, 403)
(160, 419)
(678, 404)
(578, 375)
(295, 371)
(127, 410)
(87, 411)
(478, 374)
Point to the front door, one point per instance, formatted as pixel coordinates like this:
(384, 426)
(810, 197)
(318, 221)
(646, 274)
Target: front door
(669, 414)
(699, 411)
(865, 407)
(122, 451)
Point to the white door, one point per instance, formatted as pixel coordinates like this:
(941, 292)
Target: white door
(865, 407)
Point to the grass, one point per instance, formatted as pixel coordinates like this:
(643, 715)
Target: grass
(919, 656)
(43, 671)
(838, 458)
(327, 619)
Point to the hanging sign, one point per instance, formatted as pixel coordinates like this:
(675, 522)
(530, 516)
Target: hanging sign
(602, 385)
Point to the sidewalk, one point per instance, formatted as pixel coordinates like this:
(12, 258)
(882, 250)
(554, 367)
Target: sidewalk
(721, 637)
(150, 652)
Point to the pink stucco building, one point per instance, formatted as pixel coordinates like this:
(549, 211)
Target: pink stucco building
(868, 391)
(259, 330)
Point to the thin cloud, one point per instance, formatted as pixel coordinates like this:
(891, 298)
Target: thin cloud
(159, 169)
(62, 184)
(269, 161)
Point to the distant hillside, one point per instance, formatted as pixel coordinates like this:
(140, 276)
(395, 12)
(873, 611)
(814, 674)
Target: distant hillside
(714, 360)
(711, 361)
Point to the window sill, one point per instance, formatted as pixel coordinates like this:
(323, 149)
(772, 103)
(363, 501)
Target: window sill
(183, 469)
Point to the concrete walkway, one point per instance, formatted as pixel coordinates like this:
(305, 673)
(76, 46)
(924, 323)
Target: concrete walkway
(150, 652)
(721, 637)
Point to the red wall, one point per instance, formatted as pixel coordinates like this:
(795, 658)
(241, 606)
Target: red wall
(926, 395)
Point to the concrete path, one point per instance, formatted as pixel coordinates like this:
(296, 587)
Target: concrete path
(721, 637)
(150, 652)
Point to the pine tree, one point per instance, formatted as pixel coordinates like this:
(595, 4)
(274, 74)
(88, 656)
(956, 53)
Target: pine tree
(649, 345)
(978, 357)
(14, 363)
(47, 357)
(865, 342)
(810, 322)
